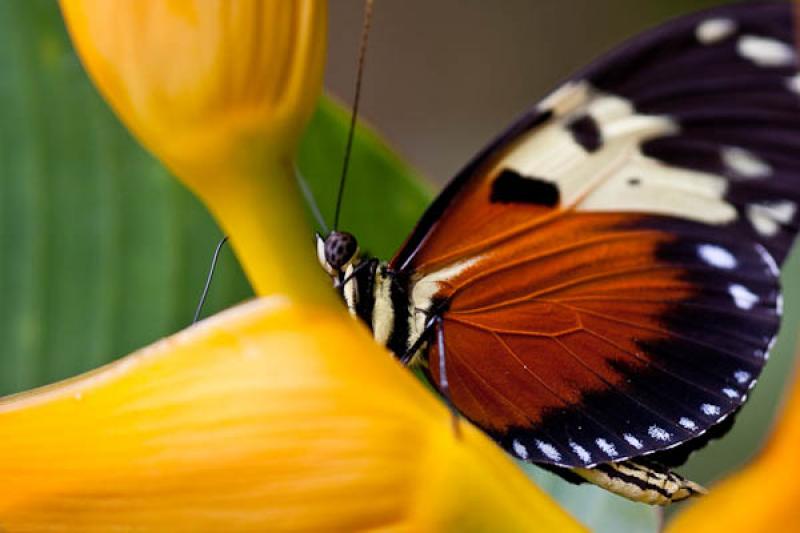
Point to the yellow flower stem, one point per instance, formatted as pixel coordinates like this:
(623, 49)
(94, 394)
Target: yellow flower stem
(268, 229)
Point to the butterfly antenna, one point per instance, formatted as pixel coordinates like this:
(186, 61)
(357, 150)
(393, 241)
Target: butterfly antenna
(210, 276)
(362, 52)
(312, 204)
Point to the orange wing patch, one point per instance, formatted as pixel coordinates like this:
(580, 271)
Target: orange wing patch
(527, 307)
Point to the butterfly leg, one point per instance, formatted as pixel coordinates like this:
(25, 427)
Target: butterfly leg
(358, 268)
(444, 384)
(433, 320)
(409, 354)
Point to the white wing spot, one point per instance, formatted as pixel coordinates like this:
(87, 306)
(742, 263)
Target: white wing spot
(744, 163)
(768, 259)
(633, 441)
(519, 449)
(688, 423)
(744, 297)
(741, 376)
(714, 30)
(730, 393)
(581, 452)
(779, 304)
(770, 346)
(717, 256)
(765, 52)
(765, 353)
(768, 216)
(606, 447)
(548, 450)
(566, 98)
(659, 433)
(793, 83)
(710, 409)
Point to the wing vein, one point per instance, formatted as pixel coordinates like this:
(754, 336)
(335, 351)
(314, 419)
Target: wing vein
(663, 332)
(614, 387)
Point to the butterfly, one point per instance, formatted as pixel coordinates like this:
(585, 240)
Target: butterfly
(598, 289)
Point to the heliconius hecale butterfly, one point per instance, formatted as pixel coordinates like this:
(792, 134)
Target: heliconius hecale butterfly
(603, 277)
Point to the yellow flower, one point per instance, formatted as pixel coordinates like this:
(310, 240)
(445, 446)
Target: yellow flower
(763, 496)
(274, 416)
(220, 91)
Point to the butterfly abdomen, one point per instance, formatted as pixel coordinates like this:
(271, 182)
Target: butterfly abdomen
(381, 300)
(639, 482)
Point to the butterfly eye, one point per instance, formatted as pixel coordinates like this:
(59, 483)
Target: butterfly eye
(340, 249)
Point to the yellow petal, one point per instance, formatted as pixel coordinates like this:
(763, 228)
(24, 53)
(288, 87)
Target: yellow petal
(762, 497)
(269, 417)
(220, 91)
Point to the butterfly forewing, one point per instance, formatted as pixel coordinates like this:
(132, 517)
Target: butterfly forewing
(609, 265)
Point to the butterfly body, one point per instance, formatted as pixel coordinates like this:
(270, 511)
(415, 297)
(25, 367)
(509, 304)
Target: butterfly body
(599, 288)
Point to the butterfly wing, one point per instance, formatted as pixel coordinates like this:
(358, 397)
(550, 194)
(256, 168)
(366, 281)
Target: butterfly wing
(609, 265)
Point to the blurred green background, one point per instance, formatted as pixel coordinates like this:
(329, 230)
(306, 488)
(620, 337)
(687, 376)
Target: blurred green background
(102, 252)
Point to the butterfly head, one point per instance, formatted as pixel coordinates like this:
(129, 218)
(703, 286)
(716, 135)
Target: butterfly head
(336, 251)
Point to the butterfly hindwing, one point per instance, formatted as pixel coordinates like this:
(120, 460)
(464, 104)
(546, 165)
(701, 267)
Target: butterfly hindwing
(609, 265)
